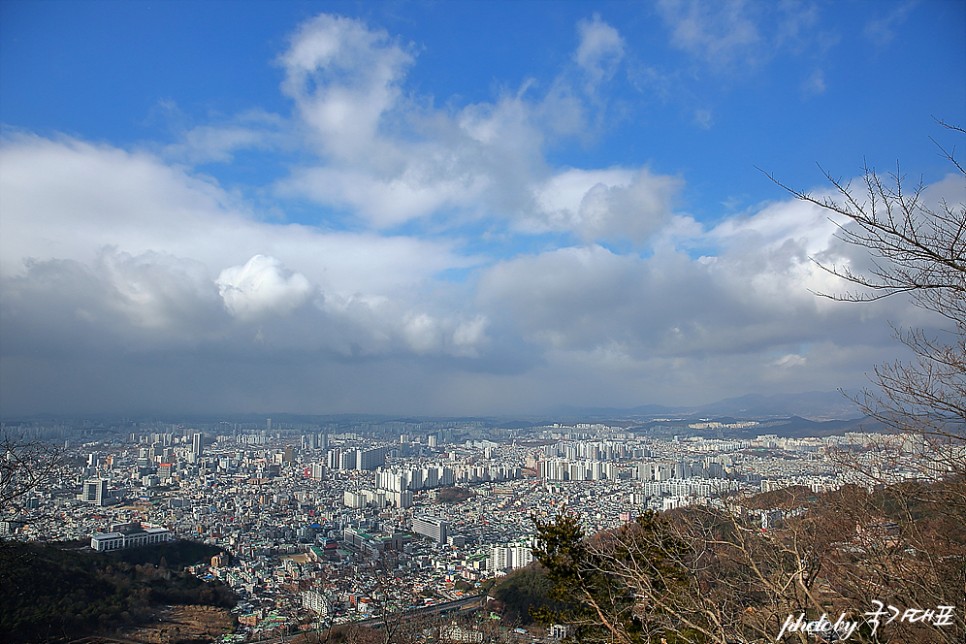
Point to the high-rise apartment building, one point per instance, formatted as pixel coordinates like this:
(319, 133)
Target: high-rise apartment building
(370, 459)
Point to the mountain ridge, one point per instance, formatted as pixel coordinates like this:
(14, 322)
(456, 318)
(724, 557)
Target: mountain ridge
(811, 405)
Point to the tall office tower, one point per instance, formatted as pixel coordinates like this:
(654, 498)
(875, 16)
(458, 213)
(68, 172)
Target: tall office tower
(89, 493)
(95, 491)
(197, 443)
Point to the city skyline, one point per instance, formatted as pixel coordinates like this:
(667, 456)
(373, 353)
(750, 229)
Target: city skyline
(450, 209)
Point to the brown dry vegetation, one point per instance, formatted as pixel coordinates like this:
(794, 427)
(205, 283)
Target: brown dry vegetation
(184, 625)
(711, 575)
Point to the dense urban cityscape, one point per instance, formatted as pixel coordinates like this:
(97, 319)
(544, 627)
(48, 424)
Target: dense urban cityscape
(347, 521)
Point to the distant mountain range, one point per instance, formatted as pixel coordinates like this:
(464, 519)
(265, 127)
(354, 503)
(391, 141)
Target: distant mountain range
(813, 405)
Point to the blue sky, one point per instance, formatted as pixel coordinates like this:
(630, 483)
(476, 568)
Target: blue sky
(447, 207)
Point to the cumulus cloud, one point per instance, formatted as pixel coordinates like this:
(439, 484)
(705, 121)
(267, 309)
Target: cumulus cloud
(390, 161)
(385, 202)
(616, 203)
(155, 291)
(383, 327)
(103, 195)
(159, 257)
(735, 302)
(262, 286)
(343, 77)
(469, 337)
(136, 203)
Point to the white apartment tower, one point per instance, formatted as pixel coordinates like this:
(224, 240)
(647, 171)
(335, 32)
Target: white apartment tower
(430, 527)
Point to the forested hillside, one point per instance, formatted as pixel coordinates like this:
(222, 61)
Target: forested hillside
(52, 594)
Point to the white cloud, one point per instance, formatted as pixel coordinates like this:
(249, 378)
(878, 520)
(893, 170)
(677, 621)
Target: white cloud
(737, 35)
(616, 203)
(219, 143)
(137, 204)
(814, 85)
(469, 337)
(790, 361)
(704, 118)
(745, 299)
(422, 333)
(385, 160)
(145, 264)
(881, 30)
(718, 33)
(104, 196)
(262, 286)
(344, 77)
(600, 50)
(158, 292)
(481, 160)
(385, 203)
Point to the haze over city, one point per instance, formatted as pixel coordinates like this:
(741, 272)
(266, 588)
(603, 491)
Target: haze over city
(449, 208)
